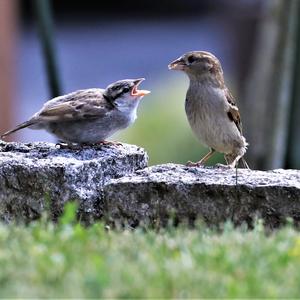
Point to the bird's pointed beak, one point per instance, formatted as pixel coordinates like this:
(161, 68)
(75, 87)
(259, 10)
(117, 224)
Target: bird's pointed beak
(177, 64)
(136, 92)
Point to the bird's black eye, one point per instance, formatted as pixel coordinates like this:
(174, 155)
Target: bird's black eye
(125, 89)
(191, 59)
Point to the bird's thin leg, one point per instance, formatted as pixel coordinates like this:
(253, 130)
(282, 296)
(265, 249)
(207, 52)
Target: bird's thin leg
(246, 166)
(235, 162)
(203, 160)
(231, 161)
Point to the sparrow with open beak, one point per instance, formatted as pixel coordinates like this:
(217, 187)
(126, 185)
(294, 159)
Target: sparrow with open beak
(210, 108)
(89, 116)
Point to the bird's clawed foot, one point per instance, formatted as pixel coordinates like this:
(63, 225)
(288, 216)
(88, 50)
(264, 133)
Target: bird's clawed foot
(81, 146)
(222, 166)
(203, 160)
(109, 143)
(194, 164)
(68, 146)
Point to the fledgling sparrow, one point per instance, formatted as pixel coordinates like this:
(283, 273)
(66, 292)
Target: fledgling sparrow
(210, 108)
(89, 116)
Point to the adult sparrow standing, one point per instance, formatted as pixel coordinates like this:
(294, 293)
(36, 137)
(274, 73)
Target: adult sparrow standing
(210, 108)
(89, 116)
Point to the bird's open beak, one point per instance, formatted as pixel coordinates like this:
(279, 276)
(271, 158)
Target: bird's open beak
(177, 64)
(135, 92)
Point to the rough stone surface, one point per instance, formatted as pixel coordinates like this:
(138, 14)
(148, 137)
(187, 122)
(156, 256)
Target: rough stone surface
(113, 182)
(32, 174)
(158, 192)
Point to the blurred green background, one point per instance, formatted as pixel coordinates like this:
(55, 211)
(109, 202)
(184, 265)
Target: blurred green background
(162, 127)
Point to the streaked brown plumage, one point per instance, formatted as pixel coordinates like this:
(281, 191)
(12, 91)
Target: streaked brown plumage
(210, 107)
(89, 116)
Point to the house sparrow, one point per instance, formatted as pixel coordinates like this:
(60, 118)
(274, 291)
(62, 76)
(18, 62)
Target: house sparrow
(89, 116)
(210, 108)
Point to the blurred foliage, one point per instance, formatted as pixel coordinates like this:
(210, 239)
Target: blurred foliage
(66, 260)
(162, 127)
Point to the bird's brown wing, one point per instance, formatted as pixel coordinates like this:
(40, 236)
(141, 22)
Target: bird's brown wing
(79, 105)
(233, 112)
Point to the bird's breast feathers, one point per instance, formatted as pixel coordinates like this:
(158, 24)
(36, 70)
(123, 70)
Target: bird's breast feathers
(207, 114)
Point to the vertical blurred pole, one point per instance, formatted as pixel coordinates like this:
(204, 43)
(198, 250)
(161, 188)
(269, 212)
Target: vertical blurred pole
(293, 151)
(8, 35)
(269, 86)
(43, 13)
(282, 80)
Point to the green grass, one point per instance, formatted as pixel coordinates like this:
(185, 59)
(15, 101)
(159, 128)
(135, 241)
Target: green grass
(65, 260)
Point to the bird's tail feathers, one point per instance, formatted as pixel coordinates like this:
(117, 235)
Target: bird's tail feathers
(20, 126)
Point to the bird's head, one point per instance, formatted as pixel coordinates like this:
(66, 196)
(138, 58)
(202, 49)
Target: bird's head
(197, 63)
(125, 92)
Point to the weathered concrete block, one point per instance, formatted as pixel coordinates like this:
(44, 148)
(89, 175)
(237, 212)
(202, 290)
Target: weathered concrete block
(113, 181)
(211, 194)
(31, 173)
